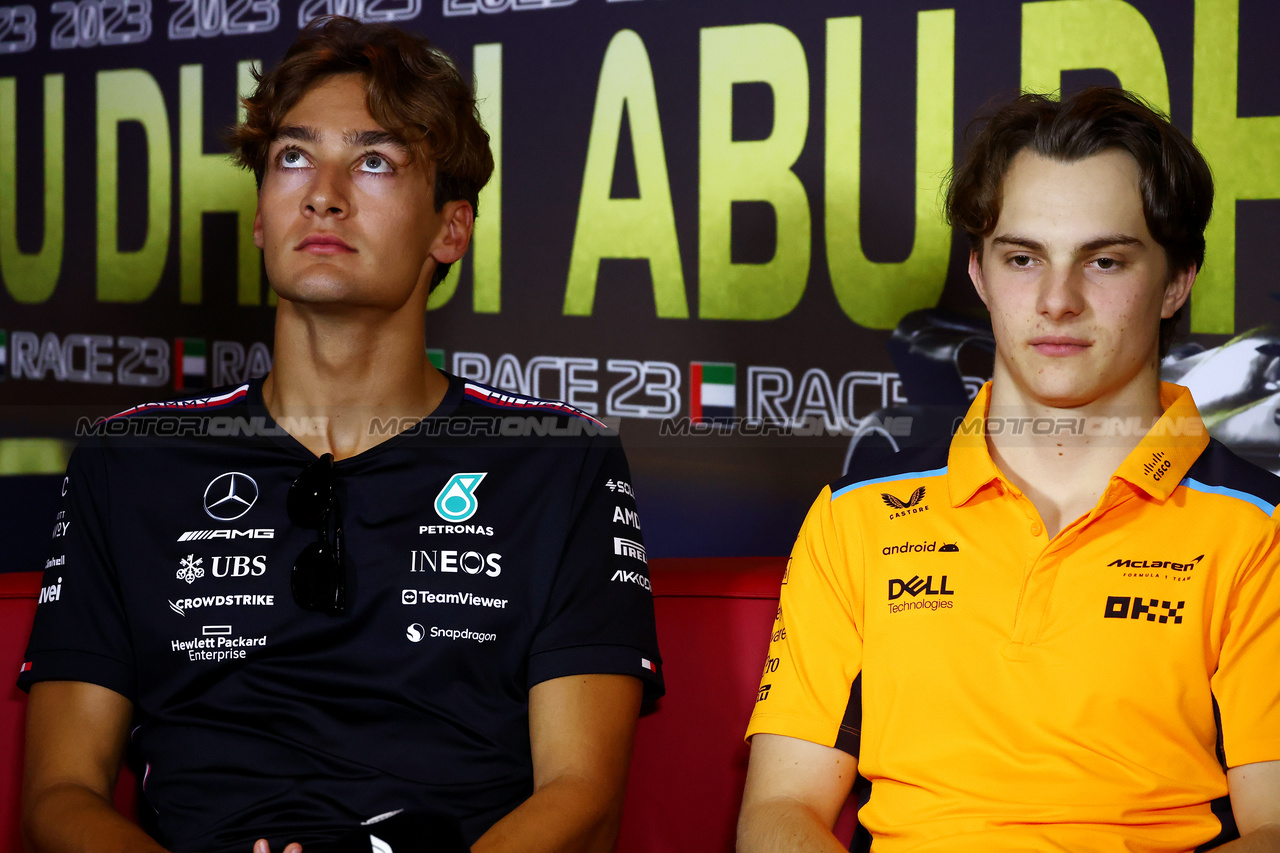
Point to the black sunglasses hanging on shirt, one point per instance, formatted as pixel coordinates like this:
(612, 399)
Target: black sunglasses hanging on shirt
(318, 581)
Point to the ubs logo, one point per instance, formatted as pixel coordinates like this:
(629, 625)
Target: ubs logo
(230, 495)
(908, 507)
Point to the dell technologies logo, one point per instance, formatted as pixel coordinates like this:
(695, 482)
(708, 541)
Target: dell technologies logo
(230, 495)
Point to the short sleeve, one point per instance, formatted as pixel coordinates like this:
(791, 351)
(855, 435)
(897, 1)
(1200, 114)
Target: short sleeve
(599, 618)
(80, 631)
(1245, 685)
(811, 686)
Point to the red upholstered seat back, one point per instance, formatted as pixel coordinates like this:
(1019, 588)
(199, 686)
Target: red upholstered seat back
(690, 761)
(19, 592)
(714, 618)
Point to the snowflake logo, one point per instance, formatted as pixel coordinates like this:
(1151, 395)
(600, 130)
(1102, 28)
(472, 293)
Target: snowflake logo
(191, 568)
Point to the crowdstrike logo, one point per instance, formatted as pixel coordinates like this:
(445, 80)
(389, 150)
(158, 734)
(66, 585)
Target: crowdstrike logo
(230, 495)
(457, 501)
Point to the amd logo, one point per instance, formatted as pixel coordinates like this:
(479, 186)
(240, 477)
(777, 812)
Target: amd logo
(916, 586)
(471, 562)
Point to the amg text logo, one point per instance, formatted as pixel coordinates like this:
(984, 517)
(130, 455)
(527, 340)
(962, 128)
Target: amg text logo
(252, 533)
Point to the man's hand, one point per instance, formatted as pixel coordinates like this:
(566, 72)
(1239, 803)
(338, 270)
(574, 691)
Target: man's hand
(580, 729)
(261, 846)
(76, 735)
(795, 790)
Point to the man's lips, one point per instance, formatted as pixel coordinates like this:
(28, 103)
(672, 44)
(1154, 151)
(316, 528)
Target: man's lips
(323, 244)
(1059, 345)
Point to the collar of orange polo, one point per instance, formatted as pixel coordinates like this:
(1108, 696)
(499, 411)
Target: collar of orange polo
(1167, 450)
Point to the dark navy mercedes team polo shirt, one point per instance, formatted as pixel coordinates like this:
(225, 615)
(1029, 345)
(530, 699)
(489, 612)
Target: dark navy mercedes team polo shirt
(488, 548)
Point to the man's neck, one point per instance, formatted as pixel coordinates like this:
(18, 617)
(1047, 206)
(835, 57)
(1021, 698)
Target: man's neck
(337, 370)
(1062, 458)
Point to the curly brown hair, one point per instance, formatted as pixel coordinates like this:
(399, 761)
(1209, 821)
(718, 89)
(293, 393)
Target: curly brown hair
(414, 91)
(1176, 184)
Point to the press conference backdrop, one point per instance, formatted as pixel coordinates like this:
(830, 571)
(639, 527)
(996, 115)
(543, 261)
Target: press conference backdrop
(707, 219)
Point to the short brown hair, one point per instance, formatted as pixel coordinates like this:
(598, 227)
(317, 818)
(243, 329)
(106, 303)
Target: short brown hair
(1175, 183)
(413, 89)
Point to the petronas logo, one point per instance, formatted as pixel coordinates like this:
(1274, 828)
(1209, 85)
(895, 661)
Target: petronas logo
(457, 500)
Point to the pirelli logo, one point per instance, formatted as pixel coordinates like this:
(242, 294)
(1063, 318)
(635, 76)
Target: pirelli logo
(628, 548)
(254, 533)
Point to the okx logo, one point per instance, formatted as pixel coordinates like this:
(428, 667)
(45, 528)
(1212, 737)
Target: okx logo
(457, 500)
(1153, 610)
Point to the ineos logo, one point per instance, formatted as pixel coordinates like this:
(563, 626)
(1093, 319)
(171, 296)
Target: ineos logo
(230, 496)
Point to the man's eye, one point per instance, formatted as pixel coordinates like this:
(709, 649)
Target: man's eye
(292, 159)
(376, 164)
(1107, 263)
(1021, 260)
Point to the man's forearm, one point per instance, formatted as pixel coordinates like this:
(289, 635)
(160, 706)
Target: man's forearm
(70, 818)
(566, 815)
(784, 825)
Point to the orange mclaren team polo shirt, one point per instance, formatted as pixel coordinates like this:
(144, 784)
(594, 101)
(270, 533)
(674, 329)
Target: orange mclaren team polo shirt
(1007, 691)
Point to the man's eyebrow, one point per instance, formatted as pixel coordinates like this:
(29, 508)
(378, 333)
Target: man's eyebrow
(370, 138)
(1109, 240)
(1103, 242)
(300, 132)
(358, 139)
(1017, 242)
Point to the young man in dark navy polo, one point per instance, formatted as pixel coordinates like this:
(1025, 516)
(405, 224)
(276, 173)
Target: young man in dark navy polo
(327, 633)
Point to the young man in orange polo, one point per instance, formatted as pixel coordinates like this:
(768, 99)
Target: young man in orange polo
(1069, 639)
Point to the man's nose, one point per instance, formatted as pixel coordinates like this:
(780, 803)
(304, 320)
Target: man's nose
(328, 194)
(1061, 293)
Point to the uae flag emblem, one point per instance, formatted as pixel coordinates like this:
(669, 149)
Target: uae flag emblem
(4, 353)
(190, 367)
(712, 391)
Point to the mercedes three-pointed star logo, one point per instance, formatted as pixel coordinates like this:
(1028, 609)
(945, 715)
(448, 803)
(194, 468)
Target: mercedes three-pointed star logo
(230, 496)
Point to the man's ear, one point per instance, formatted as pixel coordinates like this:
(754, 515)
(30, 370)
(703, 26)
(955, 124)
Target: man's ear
(975, 275)
(1178, 291)
(257, 227)
(455, 234)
